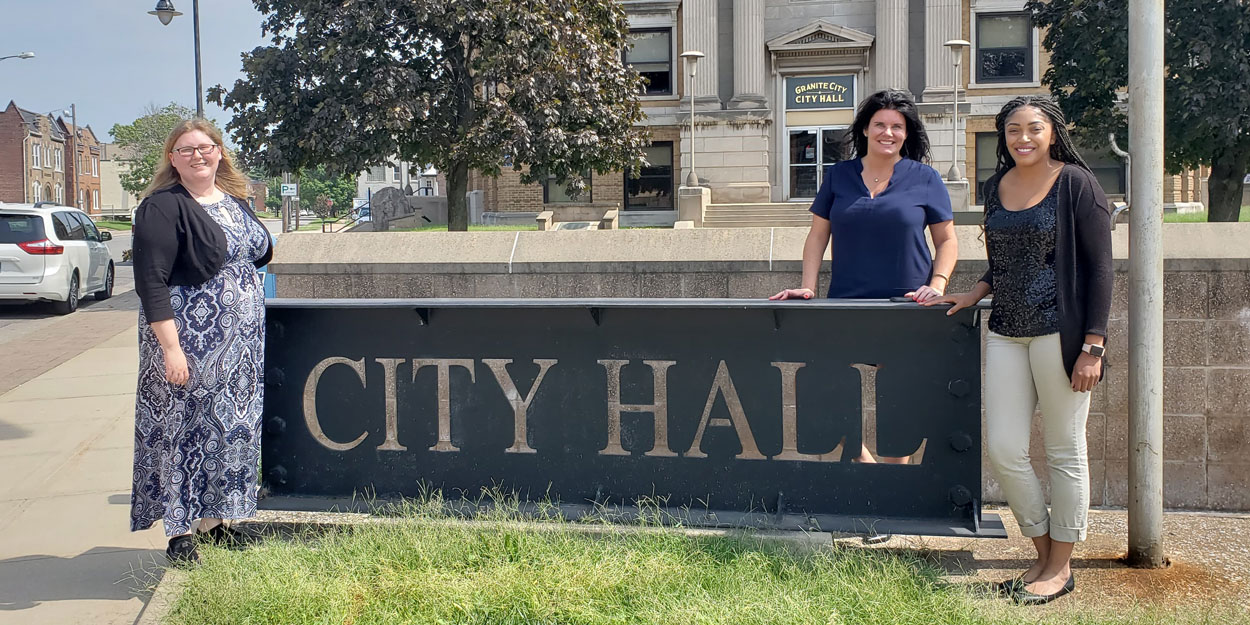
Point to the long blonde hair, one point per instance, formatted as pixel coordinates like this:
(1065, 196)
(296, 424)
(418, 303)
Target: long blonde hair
(229, 179)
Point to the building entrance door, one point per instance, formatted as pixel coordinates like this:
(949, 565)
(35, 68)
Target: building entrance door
(811, 150)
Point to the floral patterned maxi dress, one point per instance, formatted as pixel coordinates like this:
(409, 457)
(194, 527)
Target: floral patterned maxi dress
(197, 447)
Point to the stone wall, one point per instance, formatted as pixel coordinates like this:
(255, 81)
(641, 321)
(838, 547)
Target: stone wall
(1206, 305)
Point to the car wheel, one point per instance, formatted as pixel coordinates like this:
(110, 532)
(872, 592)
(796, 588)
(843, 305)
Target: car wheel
(71, 300)
(108, 286)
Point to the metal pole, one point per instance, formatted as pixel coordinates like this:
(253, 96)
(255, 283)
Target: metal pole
(286, 204)
(199, 88)
(73, 118)
(693, 179)
(1145, 327)
(953, 174)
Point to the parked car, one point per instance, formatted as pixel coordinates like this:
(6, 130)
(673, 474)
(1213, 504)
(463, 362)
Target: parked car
(52, 253)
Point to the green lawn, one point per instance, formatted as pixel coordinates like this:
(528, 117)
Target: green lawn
(112, 225)
(425, 568)
(1178, 218)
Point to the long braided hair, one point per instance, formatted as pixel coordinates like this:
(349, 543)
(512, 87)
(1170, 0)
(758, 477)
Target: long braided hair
(1062, 147)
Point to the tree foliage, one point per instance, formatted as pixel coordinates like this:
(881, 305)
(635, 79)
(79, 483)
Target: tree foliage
(145, 139)
(462, 84)
(1207, 89)
(316, 186)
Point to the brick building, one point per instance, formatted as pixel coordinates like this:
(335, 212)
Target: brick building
(777, 89)
(33, 157)
(89, 152)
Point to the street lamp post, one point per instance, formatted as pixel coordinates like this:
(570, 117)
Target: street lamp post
(693, 56)
(165, 12)
(957, 47)
(21, 55)
(73, 149)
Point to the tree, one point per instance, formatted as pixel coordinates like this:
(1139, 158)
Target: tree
(1206, 90)
(316, 186)
(145, 139)
(461, 84)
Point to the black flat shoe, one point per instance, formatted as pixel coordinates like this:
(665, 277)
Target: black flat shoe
(223, 536)
(181, 551)
(1009, 587)
(1024, 597)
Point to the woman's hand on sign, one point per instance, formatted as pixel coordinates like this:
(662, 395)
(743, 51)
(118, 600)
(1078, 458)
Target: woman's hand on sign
(958, 301)
(924, 294)
(794, 294)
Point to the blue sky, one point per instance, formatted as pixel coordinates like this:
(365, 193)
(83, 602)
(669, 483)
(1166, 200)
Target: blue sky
(112, 59)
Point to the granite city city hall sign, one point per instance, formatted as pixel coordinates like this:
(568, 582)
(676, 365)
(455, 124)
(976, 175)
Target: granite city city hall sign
(727, 411)
(820, 92)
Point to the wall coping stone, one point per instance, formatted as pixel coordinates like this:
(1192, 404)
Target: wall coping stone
(1186, 247)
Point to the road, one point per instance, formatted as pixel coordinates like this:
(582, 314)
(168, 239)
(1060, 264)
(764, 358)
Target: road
(34, 339)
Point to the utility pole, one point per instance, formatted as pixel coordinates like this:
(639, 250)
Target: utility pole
(73, 120)
(1145, 328)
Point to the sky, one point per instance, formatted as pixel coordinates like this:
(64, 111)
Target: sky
(111, 59)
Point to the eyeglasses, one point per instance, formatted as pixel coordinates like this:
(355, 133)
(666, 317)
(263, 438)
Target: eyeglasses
(187, 151)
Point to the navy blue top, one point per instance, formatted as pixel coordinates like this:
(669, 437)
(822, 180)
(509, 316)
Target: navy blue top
(879, 247)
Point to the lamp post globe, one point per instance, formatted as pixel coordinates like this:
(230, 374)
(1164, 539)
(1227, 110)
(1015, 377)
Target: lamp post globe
(165, 11)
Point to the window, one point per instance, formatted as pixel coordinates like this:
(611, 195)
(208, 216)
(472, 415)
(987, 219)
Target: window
(95, 198)
(1107, 168)
(651, 54)
(653, 188)
(556, 193)
(79, 198)
(36, 192)
(1004, 48)
(68, 228)
(60, 159)
(395, 173)
(90, 232)
(36, 155)
(376, 174)
(987, 161)
(60, 194)
(95, 167)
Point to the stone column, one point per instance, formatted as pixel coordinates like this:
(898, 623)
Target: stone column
(748, 55)
(941, 24)
(891, 44)
(699, 32)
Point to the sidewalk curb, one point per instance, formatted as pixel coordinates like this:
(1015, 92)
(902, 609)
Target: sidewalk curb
(167, 590)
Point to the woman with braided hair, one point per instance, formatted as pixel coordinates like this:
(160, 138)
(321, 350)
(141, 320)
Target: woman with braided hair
(1048, 241)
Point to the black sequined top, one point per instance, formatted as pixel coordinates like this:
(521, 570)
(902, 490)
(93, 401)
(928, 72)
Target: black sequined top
(1022, 244)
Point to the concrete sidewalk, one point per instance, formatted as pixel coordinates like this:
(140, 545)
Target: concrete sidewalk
(66, 444)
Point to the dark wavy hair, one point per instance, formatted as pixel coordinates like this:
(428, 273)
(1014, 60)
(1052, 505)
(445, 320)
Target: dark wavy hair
(915, 146)
(1062, 147)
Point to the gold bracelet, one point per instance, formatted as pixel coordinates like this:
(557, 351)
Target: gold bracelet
(946, 278)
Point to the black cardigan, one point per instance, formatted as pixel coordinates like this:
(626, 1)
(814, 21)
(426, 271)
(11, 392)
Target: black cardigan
(176, 243)
(1083, 271)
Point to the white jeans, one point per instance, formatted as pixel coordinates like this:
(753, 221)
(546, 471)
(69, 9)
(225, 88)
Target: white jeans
(1020, 373)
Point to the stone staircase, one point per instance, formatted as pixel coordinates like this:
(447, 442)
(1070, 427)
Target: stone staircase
(777, 214)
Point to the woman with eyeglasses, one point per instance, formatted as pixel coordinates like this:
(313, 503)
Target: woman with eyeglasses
(201, 344)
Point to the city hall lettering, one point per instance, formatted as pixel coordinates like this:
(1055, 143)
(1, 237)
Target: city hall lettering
(496, 378)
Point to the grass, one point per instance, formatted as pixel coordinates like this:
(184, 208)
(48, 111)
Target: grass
(108, 224)
(1179, 218)
(424, 568)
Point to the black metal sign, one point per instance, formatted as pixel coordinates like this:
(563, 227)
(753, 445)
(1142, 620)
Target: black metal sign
(726, 411)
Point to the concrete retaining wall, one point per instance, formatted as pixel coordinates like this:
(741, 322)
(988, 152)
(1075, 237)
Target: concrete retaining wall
(1206, 306)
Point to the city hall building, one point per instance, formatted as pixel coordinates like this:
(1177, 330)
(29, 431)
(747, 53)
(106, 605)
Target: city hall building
(776, 90)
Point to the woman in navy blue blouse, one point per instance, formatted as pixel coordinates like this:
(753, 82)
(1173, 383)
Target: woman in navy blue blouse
(874, 210)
